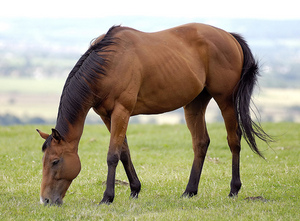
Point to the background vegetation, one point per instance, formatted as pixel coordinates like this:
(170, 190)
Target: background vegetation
(36, 55)
(162, 156)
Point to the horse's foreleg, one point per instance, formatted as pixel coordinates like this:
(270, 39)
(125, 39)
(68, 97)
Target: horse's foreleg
(195, 118)
(134, 182)
(118, 127)
(109, 194)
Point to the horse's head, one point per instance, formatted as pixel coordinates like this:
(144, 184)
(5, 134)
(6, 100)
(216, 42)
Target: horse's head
(61, 165)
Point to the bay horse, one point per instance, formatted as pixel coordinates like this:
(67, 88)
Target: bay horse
(127, 72)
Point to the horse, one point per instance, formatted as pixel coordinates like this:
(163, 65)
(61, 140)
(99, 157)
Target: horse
(126, 72)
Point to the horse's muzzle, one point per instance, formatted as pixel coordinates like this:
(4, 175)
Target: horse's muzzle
(56, 201)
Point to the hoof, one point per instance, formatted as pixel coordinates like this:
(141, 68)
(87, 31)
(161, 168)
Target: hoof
(106, 200)
(189, 194)
(134, 195)
(232, 195)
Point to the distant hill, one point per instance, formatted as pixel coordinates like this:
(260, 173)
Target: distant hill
(50, 47)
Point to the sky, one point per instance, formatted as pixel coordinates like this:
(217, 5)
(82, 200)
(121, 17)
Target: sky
(259, 9)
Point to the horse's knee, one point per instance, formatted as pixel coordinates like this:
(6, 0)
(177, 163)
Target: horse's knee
(201, 147)
(205, 142)
(113, 159)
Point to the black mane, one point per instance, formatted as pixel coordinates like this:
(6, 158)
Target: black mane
(77, 92)
(46, 143)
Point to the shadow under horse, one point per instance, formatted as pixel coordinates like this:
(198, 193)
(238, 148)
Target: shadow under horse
(126, 72)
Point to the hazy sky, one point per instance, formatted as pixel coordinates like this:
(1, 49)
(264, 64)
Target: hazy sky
(268, 9)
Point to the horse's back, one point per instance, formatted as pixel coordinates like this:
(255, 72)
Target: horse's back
(168, 69)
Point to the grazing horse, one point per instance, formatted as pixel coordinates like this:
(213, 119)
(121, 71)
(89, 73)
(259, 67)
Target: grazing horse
(127, 72)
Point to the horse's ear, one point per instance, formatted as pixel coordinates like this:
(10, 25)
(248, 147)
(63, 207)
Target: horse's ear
(56, 135)
(42, 134)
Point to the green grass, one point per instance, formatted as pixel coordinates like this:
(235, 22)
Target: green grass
(162, 156)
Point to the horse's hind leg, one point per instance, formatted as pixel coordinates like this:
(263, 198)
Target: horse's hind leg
(234, 138)
(195, 119)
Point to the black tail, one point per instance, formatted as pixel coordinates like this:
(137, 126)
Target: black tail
(242, 99)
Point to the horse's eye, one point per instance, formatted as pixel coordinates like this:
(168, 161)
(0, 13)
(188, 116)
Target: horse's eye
(55, 162)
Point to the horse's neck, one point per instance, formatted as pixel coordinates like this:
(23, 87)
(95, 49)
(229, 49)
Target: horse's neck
(72, 131)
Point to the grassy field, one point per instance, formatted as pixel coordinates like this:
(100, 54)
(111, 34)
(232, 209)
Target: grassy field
(162, 156)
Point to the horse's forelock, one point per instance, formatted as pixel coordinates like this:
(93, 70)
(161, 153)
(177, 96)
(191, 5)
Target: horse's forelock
(47, 143)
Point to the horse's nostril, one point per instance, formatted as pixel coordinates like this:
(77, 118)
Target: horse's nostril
(47, 201)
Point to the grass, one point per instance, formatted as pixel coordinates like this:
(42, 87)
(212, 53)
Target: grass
(162, 156)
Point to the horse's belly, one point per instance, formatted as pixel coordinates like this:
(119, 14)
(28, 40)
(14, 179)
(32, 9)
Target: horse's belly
(164, 97)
